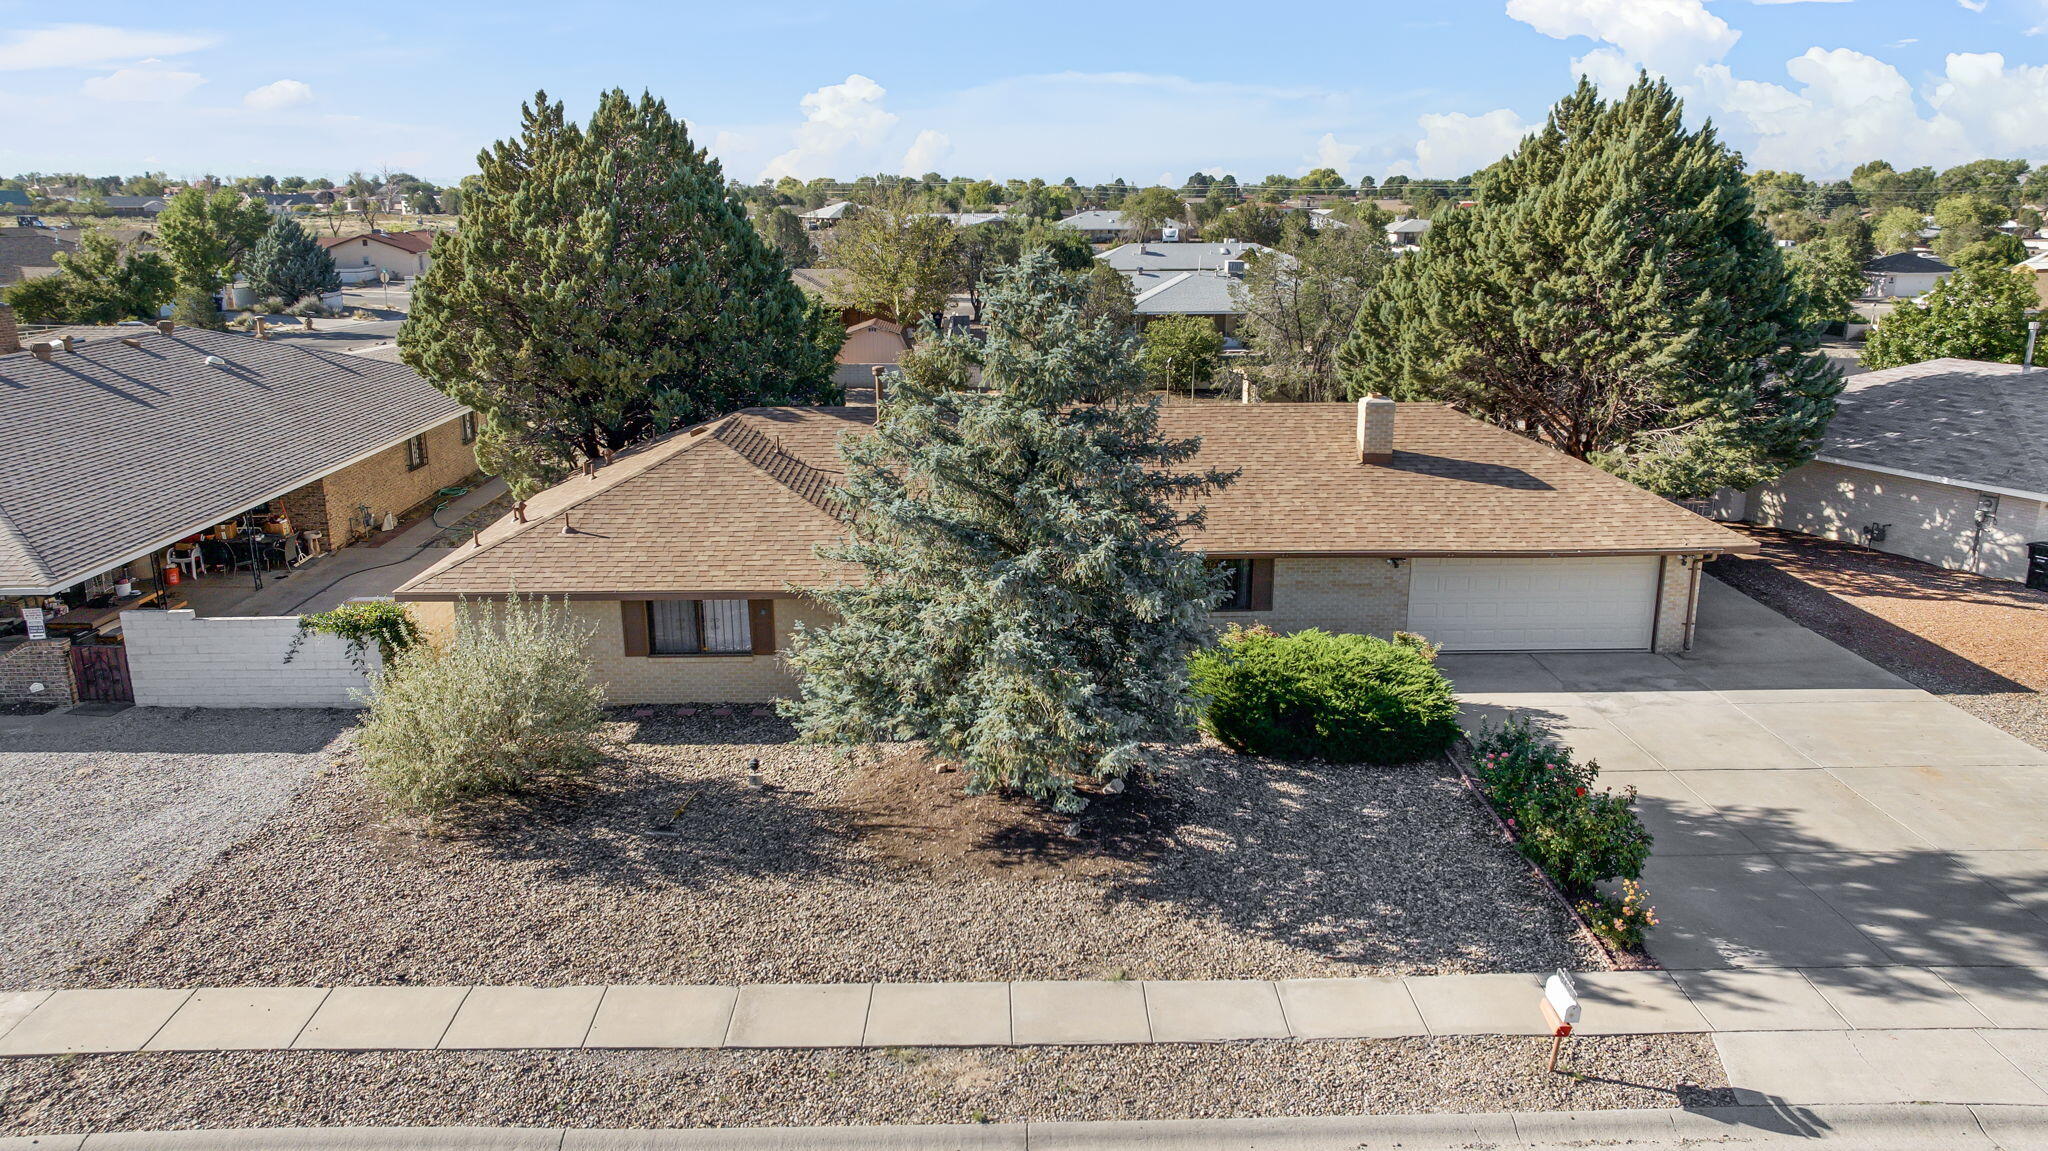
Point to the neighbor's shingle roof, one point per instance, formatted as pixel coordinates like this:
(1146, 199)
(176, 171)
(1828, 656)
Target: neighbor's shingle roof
(414, 242)
(695, 514)
(1965, 422)
(1184, 294)
(27, 253)
(1914, 261)
(111, 451)
(1179, 256)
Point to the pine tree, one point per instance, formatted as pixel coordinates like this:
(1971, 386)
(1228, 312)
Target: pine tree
(289, 264)
(1028, 605)
(605, 286)
(1614, 295)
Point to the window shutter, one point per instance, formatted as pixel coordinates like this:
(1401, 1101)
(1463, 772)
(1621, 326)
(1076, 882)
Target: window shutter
(761, 617)
(633, 624)
(1262, 585)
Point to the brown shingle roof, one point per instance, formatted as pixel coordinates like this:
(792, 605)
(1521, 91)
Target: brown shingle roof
(732, 508)
(404, 241)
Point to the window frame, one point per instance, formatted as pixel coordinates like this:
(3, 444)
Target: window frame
(416, 452)
(697, 612)
(1251, 588)
(469, 427)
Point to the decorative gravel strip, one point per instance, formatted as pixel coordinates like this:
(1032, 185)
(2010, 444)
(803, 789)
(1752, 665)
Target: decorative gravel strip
(896, 1085)
(671, 868)
(101, 817)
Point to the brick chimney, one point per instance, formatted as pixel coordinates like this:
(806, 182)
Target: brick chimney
(10, 336)
(1375, 430)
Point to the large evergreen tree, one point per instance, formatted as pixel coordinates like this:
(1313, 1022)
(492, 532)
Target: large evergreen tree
(1028, 604)
(289, 264)
(605, 286)
(1614, 295)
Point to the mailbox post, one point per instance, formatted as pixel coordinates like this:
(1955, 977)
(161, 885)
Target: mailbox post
(1560, 1006)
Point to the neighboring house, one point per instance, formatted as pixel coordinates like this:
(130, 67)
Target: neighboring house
(31, 253)
(968, 219)
(1186, 279)
(282, 202)
(1905, 275)
(1103, 227)
(873, 342)
(1942, 461)
(14, 198)
(1407, 233)
(2037, 267)
(117, 449)
(359, 258)
(827, 216)
(136, 205)
(683, 554)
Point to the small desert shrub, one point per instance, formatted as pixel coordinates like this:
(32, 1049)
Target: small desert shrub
(1622, 919)
(1580, 836)
(506, 706)
(1348, 698)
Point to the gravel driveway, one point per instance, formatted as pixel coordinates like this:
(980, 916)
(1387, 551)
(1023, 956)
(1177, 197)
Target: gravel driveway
(670, 868)
(102, 816)
(1979, 643)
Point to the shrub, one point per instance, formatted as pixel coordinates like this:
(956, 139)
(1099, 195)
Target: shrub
(507, 706)
(1349, 698)
(1621, 920)
(380, 622)
(1580, 836)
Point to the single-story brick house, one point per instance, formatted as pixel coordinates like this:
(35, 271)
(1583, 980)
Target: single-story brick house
(1941, 461)
(123, 444)
(685, 556)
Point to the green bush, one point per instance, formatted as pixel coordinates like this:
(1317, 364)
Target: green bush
(1582, 837)
(507, 706)
(1348, 698)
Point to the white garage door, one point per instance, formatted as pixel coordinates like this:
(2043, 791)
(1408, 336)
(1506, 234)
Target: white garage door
(1604, 603)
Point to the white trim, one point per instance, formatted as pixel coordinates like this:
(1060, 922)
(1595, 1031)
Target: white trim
(97, 568)
(1945, 481)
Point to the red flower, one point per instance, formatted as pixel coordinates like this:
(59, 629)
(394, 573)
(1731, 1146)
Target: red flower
(1579, 790)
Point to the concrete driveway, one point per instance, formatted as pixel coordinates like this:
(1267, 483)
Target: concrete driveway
(1810, 809)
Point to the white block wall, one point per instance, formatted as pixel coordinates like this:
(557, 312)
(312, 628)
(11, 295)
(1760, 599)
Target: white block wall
(1933, 523)
(177, 659)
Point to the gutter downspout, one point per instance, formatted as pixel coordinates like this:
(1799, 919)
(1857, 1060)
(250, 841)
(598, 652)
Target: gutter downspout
(1692, 601)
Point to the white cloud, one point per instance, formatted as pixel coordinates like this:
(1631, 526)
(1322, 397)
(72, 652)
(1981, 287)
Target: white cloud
(1974, 5)
(281, 94)
(1455, 144)
(1661, 35)
(91, 46)
(926, 153)
(148, 81)
(1330, 154)
(843, 126)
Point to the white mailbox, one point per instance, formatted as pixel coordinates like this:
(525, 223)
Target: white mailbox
(1562, 997)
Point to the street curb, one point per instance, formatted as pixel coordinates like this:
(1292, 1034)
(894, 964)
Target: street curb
(1884, 1127)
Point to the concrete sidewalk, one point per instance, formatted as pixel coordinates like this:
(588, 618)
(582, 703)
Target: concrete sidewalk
(1892, 1128)
(1734, 1002)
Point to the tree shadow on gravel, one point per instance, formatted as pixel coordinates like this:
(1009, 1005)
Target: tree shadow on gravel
(645, 828)
(180, 731)
(1373, 866)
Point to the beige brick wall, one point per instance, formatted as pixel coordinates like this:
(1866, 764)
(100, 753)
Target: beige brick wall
(1677, 604)
(1934, 523)
(382, 483)
(1339, 594)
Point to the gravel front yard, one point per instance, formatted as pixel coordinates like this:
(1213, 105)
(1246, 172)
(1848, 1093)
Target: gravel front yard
(671, 869)
(102, 816)
(807, 1088)
(1981, 644)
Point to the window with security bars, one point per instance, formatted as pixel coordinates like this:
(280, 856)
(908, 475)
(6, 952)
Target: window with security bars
(698, 627)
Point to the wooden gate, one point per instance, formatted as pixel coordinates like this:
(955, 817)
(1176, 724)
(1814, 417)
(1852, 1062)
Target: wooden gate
(100, 673)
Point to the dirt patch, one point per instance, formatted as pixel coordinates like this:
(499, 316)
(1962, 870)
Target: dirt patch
(671, 866)
(911, 809)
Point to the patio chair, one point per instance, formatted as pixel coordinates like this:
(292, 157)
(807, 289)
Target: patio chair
(188, 558)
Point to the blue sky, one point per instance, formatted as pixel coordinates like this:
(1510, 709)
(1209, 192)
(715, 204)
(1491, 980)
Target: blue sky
(1003, 90)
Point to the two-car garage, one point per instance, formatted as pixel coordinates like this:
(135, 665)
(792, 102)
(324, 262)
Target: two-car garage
(1536, 604)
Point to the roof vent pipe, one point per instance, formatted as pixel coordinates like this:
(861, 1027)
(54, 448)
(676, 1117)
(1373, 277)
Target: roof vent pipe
(1375, 430)
(2033, 334)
